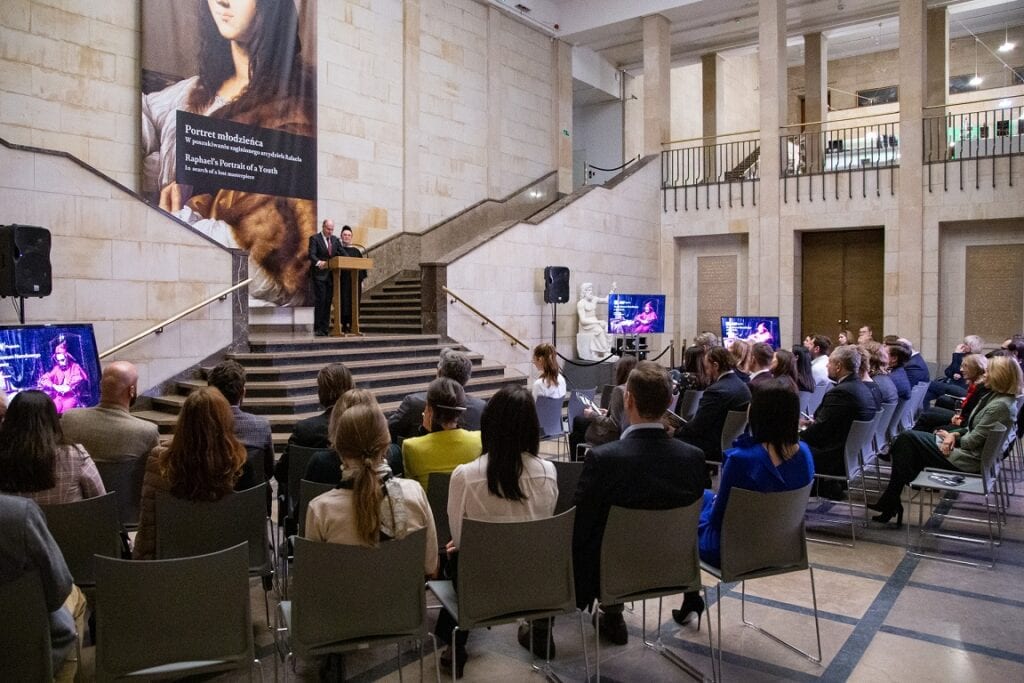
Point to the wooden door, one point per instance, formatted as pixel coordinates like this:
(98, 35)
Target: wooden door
(842, 282)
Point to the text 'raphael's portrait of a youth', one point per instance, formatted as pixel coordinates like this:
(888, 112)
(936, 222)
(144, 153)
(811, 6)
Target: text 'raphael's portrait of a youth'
(229, 129)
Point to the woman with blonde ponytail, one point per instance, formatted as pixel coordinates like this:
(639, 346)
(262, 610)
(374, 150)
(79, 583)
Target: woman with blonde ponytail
(370, 505)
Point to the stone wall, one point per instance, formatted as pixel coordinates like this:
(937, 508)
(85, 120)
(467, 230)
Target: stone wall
(118, 264)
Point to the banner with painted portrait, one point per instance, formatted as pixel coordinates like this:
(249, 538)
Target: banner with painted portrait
(229, 129)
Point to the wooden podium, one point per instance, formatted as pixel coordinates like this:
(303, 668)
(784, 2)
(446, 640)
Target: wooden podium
(353, 264)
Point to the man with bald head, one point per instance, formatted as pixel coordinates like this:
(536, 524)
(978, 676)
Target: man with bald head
(109, 432)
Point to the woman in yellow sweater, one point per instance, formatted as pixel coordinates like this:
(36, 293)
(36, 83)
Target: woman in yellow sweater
(447, 445)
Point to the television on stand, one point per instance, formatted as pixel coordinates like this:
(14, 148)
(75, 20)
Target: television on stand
(60, 360)
(752, 329)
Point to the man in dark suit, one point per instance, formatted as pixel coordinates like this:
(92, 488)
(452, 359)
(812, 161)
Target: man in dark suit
(645, 469)
(916, 368)
(407, 420)
(254, 431)
(727, 392)
(322, 247)
(346, 279)
(847, 401)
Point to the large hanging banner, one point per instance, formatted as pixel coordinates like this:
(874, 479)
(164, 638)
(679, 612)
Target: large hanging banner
(229, 129)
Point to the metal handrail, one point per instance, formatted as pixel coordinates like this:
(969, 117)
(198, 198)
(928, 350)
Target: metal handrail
(159, 327)
(708, 137)
(947, 105)
(486, 321)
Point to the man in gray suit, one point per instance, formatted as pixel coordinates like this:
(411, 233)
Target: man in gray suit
(108, 431)
(407, 420)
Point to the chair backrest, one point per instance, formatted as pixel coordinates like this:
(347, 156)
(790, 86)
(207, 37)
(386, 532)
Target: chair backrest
(253, 474)
(185, 528)
(882, 424)
(898, 418)
(763, 533)
(567, 475)
(857, 440)
(649, 553)
(308, 490)
(84, 529)
(819, 393)
(606, 395)
(125, 479)
(806, 398)
(162, 612)
(437, 496)
(298, 459)
(509, 570)
(549, 413)
(381, 595)
(735, 423)
(688, 402)
(917, 395)
(25, 636)
(576, 404)
(991, 454)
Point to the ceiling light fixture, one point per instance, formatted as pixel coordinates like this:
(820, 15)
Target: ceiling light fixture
(977, 80)
(1007, 45)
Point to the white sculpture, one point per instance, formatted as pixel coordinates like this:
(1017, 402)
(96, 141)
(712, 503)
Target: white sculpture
(592, 341)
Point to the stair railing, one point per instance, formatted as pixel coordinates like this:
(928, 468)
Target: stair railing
(159, 327)
(515, 341)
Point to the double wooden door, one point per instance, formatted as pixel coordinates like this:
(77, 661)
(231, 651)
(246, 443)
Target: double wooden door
(842, 283)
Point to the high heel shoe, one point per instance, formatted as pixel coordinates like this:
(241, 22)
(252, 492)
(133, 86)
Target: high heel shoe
(887, 513)
(692, 608)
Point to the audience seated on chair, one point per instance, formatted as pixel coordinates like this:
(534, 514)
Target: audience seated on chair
(770, 459)
(202, 462)
(692, 375)
(783, 369)
(877, 397)
(37, 461)
(804, 376)
(508, 483)
(819, 346)
(878, 369)
(26, 545)
(331, 384)
(726, 392)
(953, 381)
(108, 431)
(645, 469)
(325, 467)
(370, 505)
(847, 401)
(960, 448)
(759, 364)
(253, 431)
(447, 445)
(739, 349)
(916, 367)
(972, 369)
(407, 420)
(551, 382)
(899, 356)
(597, 428)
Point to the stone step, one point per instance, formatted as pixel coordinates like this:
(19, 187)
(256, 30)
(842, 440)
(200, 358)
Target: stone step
(336, 355)
(288, 373)
(300, 342)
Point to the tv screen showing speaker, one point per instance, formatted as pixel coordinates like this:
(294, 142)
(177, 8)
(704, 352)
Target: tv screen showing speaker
(750, 328)
(60, 360)
(636, 313)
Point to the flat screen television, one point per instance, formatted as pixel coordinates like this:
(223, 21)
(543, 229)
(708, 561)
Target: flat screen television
(636, 313)
(60, 360)
(750, 328)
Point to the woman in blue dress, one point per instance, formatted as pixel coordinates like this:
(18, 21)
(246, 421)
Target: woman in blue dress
(770, 459)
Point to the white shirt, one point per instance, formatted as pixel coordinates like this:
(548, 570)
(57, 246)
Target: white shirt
(542, 388)
(469, 498)
(819, 369)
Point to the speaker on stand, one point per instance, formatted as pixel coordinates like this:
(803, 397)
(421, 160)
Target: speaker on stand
(25, 269)
(556, 291)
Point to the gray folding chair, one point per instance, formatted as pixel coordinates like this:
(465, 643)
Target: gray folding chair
(510, 571)
(640, 561)
(806, 397)
(437, 496)
(125, 479)
(549, 413)
(915, 404)
(762, 535)
(25, 637)
(382, 601)
(858, 439)
(298, 460)
(308, 490)
(576, 404)
(688, 402)
(817, 395)
(166, 619)
(568, 477)
(981, 485)
(82, 530)
(734, 425)
(185, 528)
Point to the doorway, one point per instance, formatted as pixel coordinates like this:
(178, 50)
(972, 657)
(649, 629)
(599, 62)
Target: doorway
(842, 282)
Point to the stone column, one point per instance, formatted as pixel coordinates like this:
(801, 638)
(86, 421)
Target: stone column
(713, 100)
(561, 103)
(765, 281)
(657, 83)
(904, 242)
(936, 88)
(411, 117)
(816, 97)
(495, 102)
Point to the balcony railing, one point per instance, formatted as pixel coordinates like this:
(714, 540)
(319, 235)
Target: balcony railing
(970, 137)
(854, 152)
(695, 169)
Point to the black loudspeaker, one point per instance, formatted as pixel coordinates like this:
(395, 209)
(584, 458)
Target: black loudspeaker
(25, 261)
(556, 285)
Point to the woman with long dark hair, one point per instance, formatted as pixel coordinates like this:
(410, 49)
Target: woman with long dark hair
(772, 458)
(783, 368)
(201, 463)
(508, 483)
(36, 461)
(692, 373)
(804, 376)
(250, 72)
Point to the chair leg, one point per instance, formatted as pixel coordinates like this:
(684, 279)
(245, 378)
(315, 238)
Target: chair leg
(583, 642)
(398, 646)
(659, 646)
(817, 628)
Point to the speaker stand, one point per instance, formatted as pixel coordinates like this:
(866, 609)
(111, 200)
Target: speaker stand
(20, 307)
(554, 318)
